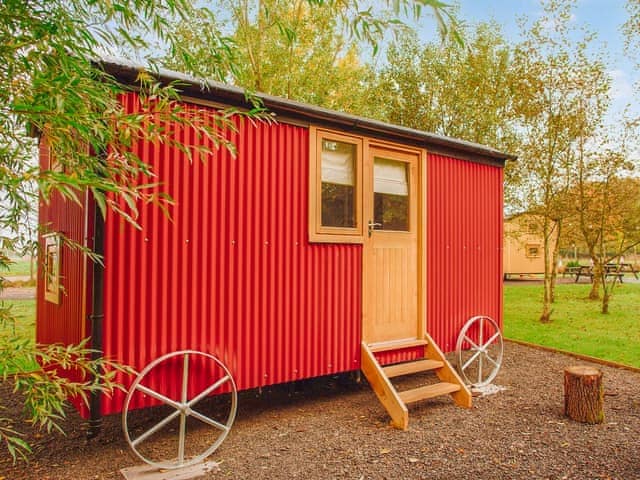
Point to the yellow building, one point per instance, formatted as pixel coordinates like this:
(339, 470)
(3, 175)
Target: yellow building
(523, 249)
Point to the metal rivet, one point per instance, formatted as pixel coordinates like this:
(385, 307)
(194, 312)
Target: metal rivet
(186, 241)
(146, 239)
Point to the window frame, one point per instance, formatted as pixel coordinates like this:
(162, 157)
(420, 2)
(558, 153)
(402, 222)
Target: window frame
(529, 246)
(52, 272)
(318, 232)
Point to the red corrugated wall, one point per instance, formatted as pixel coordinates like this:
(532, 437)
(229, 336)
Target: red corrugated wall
(464, 245)
(64, 322)
(232, 273)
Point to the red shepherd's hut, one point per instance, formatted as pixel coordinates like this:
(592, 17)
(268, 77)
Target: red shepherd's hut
(329, 243)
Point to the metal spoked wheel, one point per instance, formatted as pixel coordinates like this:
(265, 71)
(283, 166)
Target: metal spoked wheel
(479, 351)
(190, 367)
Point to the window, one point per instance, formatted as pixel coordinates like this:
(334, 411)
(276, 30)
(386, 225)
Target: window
(52, 250)
(390, 194)
(335, 193)
(532, 251)
(338, 181)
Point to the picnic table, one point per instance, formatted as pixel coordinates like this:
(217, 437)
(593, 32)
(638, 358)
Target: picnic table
(611, 270)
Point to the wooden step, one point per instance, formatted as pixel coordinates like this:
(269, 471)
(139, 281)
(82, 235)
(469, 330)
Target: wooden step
(430, 391)
(397, 345)
(408, 368)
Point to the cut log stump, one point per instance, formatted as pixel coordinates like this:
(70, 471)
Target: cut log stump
(584, 394)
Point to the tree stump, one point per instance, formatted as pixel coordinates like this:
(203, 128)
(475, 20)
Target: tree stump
(584, 394)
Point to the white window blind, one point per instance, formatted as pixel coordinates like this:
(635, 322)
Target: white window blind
(390, 176)
(338, 163)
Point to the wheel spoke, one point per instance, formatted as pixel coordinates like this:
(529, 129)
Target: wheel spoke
(158, 396)
(185, 378)
(155, 428)
(481, 331)
(183, 418)
(208, 421)
(480, 369)
(491, 359)
(471, 360)
(492, 339)
(473, 345)
(208, 390)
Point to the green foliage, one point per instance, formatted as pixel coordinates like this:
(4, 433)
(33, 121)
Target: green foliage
(306, 50)
(440, 87)
(578, 325)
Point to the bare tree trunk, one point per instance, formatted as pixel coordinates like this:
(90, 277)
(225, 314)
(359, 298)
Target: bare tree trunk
(545, 316)
(605, 301)
(594, 294)
(554, 261)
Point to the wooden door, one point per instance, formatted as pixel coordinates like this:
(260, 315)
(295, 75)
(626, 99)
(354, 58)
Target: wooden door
(391, 270)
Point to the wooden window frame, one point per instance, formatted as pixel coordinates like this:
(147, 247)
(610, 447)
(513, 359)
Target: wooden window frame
(317, 232)
(532, 245)
(52, 270)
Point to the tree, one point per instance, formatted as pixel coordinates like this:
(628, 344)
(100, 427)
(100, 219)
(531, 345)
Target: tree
(289, 49)
(440, 87)
(607, 208)
(561, 100)
(302, 50)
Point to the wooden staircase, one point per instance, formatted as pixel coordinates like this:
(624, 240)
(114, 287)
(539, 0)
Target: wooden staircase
(396, 402)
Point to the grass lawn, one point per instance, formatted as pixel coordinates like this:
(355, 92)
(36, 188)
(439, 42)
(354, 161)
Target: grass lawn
(19, 268)
(577, 324)
(24, 312)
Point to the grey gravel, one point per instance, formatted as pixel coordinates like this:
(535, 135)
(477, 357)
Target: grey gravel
(334, 428)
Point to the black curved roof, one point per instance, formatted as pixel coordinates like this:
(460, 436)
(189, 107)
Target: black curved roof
(127, 72)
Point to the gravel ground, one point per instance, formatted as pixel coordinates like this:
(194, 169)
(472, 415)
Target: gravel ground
(332, 428)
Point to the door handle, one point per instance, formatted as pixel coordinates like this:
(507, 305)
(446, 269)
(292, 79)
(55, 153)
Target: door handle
(372, 226)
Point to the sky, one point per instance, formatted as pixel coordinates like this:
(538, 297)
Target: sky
(604, 17)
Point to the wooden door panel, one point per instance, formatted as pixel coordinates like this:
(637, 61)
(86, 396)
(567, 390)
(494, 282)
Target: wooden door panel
(390, 263)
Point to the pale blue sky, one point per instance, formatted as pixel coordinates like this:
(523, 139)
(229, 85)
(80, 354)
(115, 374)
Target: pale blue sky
(604, 17)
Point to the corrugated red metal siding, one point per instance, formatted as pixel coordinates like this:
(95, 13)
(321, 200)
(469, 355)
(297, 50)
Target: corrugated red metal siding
(464, 245)
(232, 273)
(64, 322)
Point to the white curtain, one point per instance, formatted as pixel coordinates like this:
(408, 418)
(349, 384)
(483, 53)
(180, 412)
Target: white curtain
(337, 163)
(390, 176)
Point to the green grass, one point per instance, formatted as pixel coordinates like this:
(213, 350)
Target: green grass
(19, 268)
(577, 324)
(24, 312)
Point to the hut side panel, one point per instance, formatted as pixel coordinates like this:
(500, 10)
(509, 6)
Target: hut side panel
(232, 272)
(63, 322)
(464, 245)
